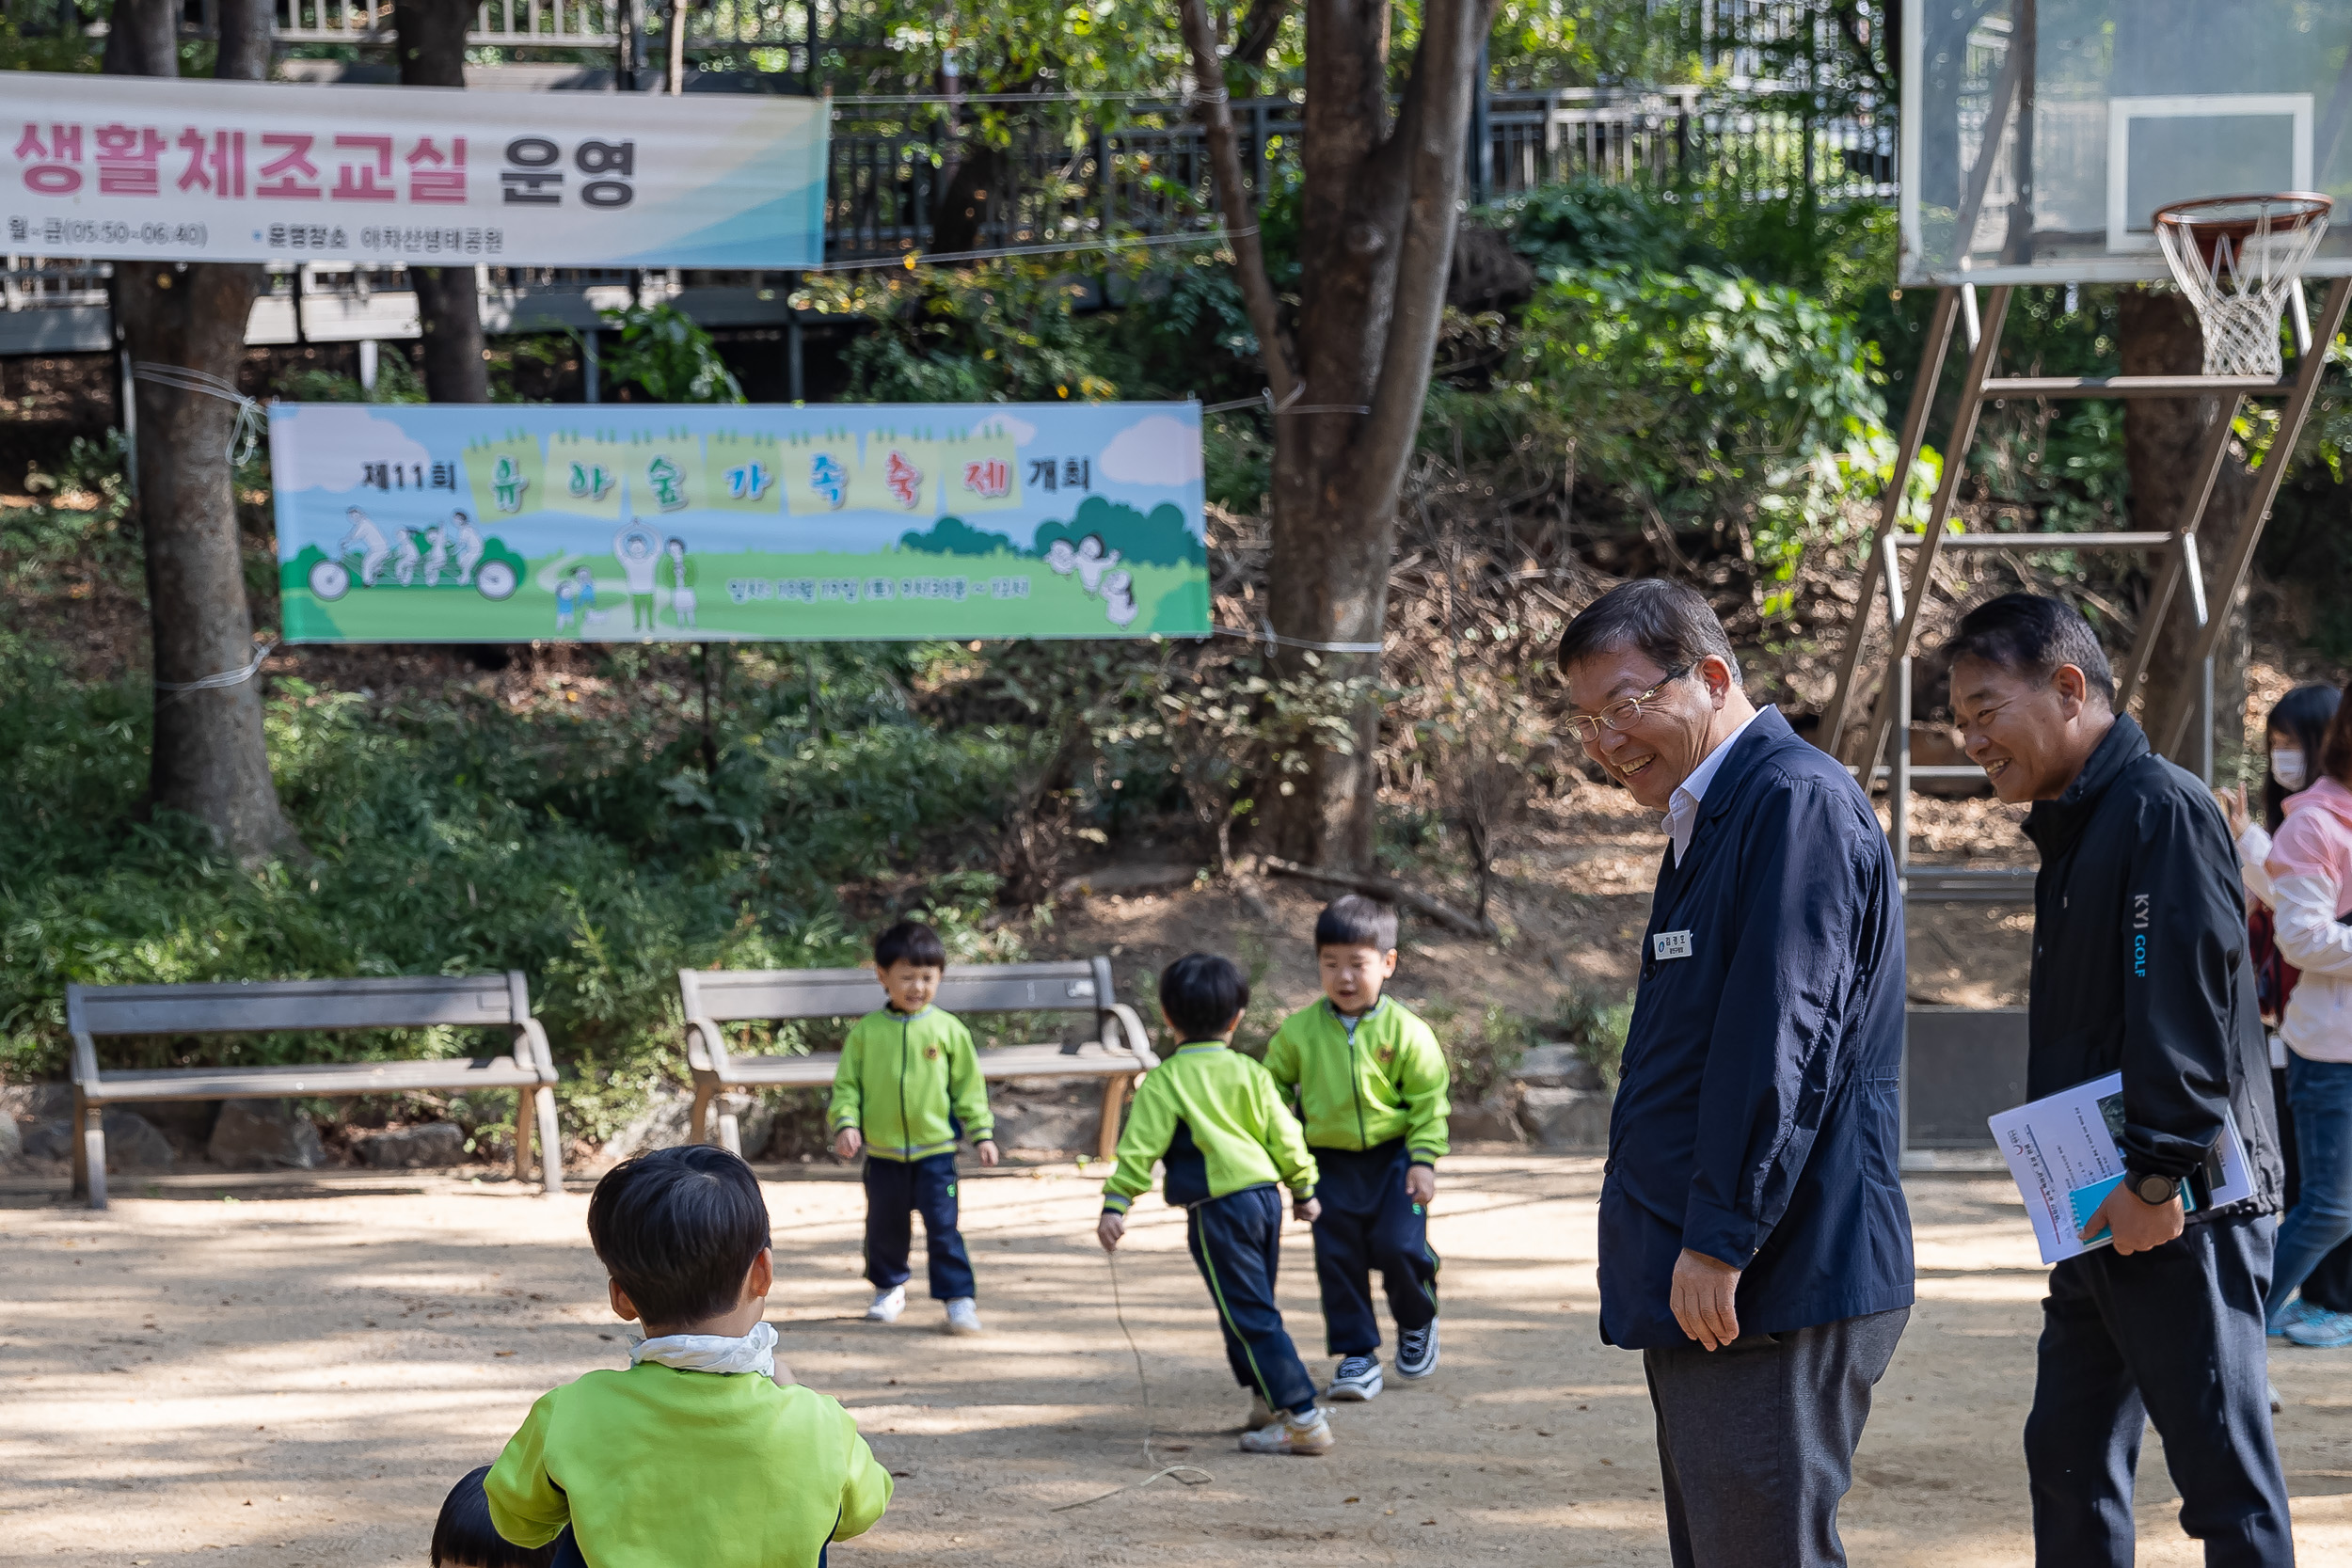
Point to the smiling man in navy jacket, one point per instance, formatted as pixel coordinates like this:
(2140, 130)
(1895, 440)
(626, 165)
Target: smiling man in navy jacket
(1754, 1243)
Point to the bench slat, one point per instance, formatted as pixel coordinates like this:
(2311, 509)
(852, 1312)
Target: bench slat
(1006, 1061)
(339, 1078)
(733, 996)
(472, 1001)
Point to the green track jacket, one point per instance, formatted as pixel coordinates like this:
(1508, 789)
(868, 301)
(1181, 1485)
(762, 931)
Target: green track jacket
(901, 1078)
(1214, 1117)
(1359, 1087)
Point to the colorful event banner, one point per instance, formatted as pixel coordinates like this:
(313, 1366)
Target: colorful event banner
(615, 523)
(199, 170)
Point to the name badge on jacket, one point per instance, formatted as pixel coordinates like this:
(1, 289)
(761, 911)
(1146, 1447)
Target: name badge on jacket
(1671, 944)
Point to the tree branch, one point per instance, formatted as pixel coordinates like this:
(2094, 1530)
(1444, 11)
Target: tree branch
(1259, 30)
(1430, 132)
(1241, 219)
(1382, 887)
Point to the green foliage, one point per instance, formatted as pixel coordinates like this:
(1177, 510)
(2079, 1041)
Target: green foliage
(671, 359)
(1595, 1025)
(1006, 332)
(1707, 396)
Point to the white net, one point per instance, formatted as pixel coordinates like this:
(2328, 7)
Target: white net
(2237, 262)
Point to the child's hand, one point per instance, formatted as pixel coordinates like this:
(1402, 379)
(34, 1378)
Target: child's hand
(1421, 1184)
(1109, 1228)
(848, 1144)
(988, 1151)
(1308, 1208)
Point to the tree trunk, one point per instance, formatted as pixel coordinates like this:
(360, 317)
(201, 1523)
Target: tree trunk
(1375, 242)
(2158, 335)
(209, 758)
(449, 300)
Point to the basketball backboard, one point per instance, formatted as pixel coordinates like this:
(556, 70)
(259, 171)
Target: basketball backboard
(2098, 112)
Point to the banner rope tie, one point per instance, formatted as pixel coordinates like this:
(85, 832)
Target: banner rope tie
(242, 435)
(1270, 637)
(225, 679)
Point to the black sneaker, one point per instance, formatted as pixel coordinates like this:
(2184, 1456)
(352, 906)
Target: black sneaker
(1358, 1379)
(1417, 1351)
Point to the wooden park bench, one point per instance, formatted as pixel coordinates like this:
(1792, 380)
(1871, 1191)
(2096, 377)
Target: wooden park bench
(266, 1007)
(1118, 1052)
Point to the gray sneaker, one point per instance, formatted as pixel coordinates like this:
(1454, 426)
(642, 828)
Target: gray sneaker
(1358, 1379)
(1417, 1351)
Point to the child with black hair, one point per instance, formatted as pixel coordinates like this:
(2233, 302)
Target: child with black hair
(1214, 1115)
(696, 1453)
(907, 1087)
(1372, 1087)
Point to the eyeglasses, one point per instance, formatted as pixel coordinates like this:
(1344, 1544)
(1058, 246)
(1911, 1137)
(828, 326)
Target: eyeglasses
(1586, 727)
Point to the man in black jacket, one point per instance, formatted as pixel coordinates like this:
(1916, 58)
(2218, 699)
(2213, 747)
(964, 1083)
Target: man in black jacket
(2140, 966)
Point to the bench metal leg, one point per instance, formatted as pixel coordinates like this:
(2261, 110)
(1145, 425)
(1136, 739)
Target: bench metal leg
(550, 1143)
(1114, 1101)
(91, 1149)
(698, 1129)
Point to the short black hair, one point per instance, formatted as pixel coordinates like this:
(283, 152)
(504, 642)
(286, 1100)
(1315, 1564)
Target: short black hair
(1669, 624)
(463, 1536)
(2030, 635)
(1200, 992)
(677, 1229)
(910, 941)
(1353, 920)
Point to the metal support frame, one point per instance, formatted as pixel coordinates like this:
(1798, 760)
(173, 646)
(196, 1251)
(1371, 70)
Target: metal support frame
(1890, 710)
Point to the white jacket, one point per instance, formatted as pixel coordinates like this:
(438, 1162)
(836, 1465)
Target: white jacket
(2310, 870)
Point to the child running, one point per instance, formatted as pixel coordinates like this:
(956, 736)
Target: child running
(695, 1454)
(1372, 1085)
(1215, 1118)
(908, 1086)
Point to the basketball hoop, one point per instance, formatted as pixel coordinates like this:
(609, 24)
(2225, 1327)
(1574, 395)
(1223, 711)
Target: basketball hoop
(2239, 259)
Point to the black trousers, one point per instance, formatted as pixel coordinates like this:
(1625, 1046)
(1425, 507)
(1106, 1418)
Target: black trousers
(898, 1189)
(1236, 1243)
(1370, 1224)
(2173, 1336)
(2331, 1283)
(1755, 1441)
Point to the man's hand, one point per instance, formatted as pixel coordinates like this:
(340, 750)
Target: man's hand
(848, 1142)
(1701, 1297)
(1308, 1208)
(1109, 1228)
(1421, 1184)
(2138, 1227)
(987, 1148)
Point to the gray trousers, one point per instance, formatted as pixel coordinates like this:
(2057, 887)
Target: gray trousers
(1757, 1440)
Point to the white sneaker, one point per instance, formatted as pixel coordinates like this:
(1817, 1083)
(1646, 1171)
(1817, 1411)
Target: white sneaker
(887, 1305)
(1262, 1414)
(962, 1316)
(1417, 1351)
(1307, 1435)
(1358, 1379)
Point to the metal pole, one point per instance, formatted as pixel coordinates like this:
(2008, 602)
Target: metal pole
(1980, 363)
(1482, 168)
(1898, 785)
(590, 390)
(795, 379)
(2204, 724)
(1891, 509)
(812, 38)
(2222, 588)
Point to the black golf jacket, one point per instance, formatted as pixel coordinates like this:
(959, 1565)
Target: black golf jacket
(2139, 963)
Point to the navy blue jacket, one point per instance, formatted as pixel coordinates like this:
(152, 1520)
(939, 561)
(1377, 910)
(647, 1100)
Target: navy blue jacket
(1756, 1118)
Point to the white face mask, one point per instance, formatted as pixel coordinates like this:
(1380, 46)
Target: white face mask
(2288, 767)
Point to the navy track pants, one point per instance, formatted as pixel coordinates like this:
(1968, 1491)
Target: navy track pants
(1236, 1240)
(1369, 1223)
(896, 1189)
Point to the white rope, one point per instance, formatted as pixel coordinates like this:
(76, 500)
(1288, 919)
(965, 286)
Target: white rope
(1184, 1473)
(1270, 637)
(1265, 400)
(225, 679)
(181, 379)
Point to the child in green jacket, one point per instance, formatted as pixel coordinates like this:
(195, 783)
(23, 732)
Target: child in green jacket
(696, 1453)
(908, 1086)
(1214, 1117)
(1372, 1087)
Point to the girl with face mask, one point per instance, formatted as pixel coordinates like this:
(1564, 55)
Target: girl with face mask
(2297, 729)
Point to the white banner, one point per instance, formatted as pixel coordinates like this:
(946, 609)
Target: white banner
(200, 170)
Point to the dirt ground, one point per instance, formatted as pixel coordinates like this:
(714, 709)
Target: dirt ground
(294, 1376)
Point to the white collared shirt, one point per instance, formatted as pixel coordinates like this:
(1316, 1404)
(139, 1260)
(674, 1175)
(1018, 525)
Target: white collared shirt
(1682, 806)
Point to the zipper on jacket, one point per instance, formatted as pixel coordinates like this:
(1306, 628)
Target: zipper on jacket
(1355, 1077)
(906, 1137)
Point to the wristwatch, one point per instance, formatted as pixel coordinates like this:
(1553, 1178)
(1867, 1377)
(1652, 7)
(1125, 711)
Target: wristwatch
(2154, 1191)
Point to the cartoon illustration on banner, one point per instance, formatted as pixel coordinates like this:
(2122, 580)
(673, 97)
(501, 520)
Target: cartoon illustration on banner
(446, 524)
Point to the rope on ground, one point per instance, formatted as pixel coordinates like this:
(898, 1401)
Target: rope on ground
(1186, 1475)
